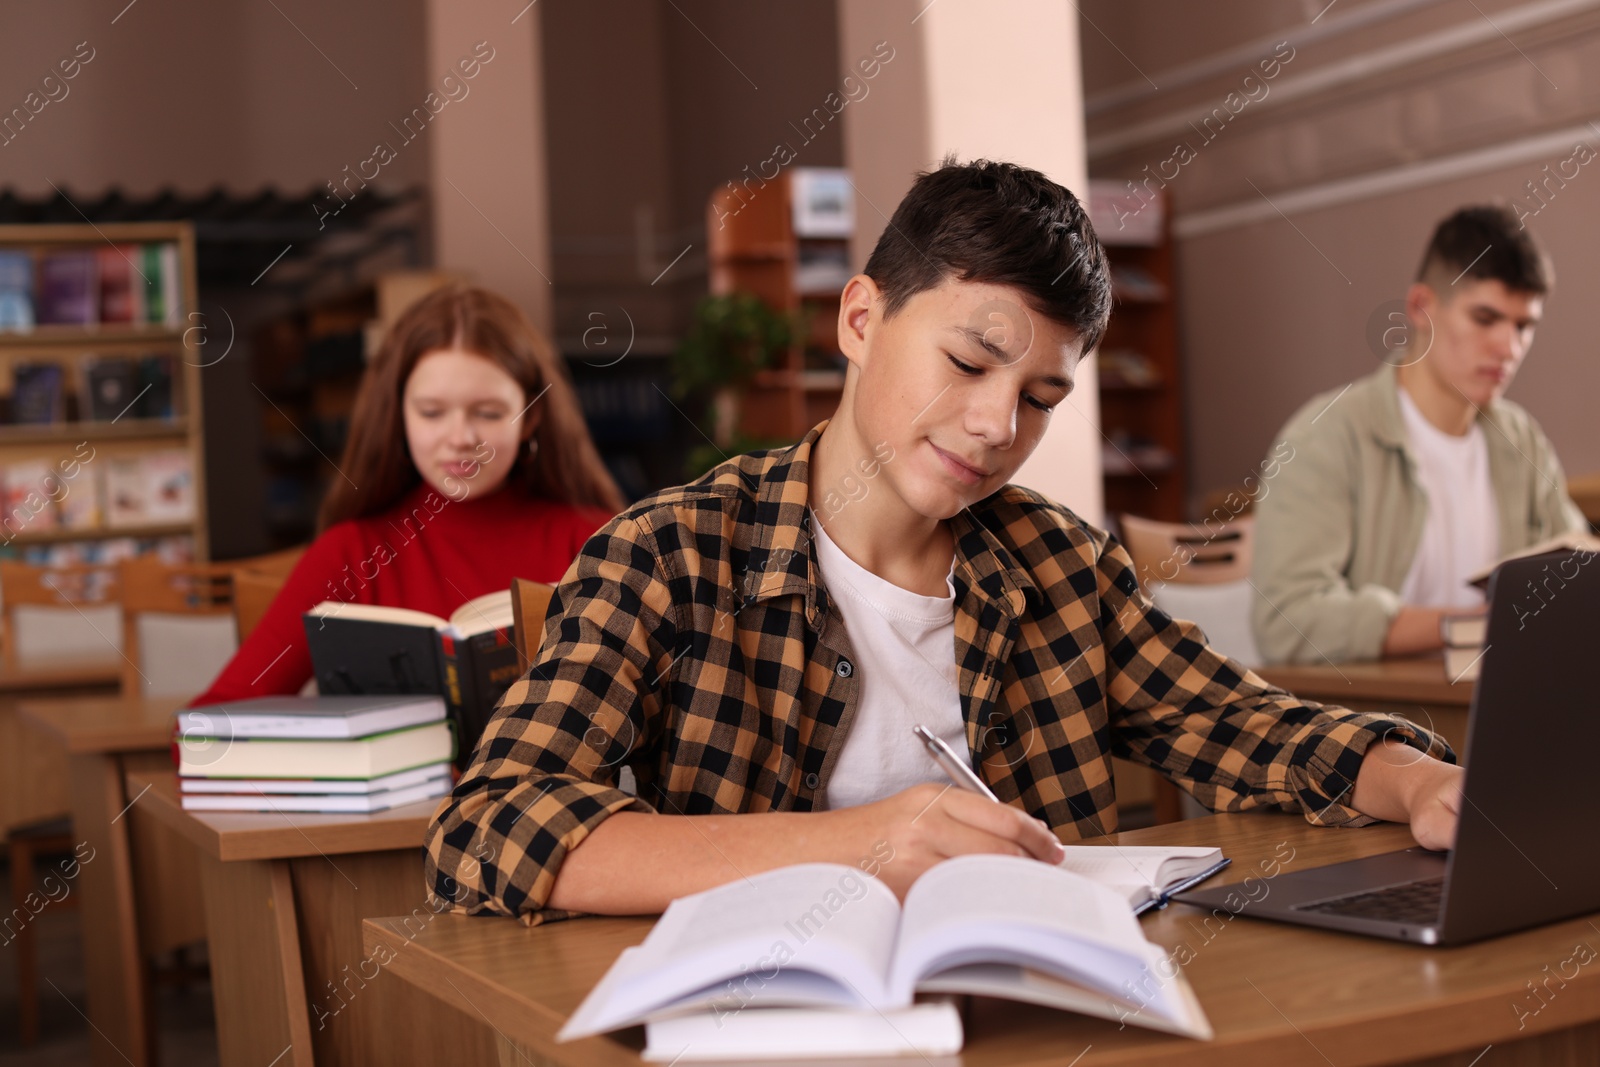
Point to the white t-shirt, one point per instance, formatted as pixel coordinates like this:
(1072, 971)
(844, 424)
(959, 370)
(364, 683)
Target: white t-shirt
(1462, 532)
(905, 662)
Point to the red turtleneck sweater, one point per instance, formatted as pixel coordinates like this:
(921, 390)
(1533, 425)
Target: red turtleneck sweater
(427, 552)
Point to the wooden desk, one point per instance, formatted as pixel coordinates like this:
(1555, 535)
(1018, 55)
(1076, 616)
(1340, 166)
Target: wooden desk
(138, 893)
(284, 899)
(1275, 994)
(33, 781)
(1416, 688)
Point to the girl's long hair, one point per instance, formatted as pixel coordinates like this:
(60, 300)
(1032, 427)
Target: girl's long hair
(377, 462)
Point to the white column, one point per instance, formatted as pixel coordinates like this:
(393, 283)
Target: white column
(977, 79)
(487, 151)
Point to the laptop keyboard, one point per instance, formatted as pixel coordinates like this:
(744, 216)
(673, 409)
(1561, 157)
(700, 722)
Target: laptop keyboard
(1409, 902)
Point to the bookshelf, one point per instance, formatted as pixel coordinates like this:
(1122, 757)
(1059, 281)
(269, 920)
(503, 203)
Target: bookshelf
(788, 242)
(1140, 367)
(100, 421)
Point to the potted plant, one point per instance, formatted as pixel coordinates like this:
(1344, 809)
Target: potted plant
(731, 338)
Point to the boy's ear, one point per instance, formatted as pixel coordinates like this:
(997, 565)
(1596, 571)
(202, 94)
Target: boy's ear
(1422, 306)
(860, 299)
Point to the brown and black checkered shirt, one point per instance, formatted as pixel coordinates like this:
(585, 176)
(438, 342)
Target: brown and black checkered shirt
(694, 641)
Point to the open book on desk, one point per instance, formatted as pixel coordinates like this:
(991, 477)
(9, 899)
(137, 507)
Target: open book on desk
(822, 935)
(469, 658)
(1147, 875)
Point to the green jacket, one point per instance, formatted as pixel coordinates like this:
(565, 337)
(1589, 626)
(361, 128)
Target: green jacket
(1338, 526)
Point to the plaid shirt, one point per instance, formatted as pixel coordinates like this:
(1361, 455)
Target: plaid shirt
(694, 641)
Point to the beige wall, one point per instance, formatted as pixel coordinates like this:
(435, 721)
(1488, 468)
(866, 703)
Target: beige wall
(191, 94)
(1421, 105)
(1002, 88)
(487, 154)
(652, 106)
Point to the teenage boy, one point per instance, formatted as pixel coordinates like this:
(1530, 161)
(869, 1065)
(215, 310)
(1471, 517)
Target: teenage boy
(1407, 482)
(758, 644)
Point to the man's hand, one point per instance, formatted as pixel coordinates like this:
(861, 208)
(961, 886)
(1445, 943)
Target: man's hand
(1398, 783)
(929, 823)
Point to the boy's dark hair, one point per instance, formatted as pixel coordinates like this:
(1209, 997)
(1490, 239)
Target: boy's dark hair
(1485, 242)
(1002, 224)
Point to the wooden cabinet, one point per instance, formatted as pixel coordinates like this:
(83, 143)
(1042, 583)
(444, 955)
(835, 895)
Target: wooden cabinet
(1140, 367)
(91, 316)
(772, 240)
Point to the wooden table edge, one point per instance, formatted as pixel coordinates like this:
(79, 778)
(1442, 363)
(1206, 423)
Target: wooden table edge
(469, 991)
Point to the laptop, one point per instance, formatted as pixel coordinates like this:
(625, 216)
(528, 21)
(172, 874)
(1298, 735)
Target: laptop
(1524, 852)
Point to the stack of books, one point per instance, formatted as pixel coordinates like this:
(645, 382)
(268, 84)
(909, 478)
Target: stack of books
(1463, 645)
(313, 754)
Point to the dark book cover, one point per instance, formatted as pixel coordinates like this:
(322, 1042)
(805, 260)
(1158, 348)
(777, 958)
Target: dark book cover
(154, 387)
(108, 381)
(68, 291)
(361, 656)
(36, 394)
(118, 300)
(478, 669)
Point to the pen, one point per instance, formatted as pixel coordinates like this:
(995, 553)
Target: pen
(952, 764)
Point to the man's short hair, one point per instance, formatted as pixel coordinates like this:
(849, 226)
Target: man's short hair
(1001, 224)
(1485, 242)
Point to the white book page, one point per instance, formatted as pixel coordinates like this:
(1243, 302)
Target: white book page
(1142, 869)
(744, 940)
(1006, 909)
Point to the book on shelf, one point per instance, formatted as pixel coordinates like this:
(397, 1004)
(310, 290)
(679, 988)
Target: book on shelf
(1147, 875)
(16, 290)
(271, 757)
(469, 659)
(121, 284)
(169, 486)
(823, 935)
(153, 387)
(78, 507)
(162, 304)
(309, 718)
(153, 488)
(31, 487)
(68, 292)
(929, 1028)
(38, 396)
(323, 803)
(108, 387)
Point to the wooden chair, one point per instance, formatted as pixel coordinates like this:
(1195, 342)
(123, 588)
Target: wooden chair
(61, 593)
(24, 845)
(1189, 554)
(529, 601)
(67, 590)
(256, 584)
(187, 591)
(1185, 554)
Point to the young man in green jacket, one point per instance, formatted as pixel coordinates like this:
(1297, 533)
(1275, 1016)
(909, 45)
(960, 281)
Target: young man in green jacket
(757, 645)
(1403, 484)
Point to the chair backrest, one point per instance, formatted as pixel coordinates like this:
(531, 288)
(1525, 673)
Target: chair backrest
(60, 614)
(1199, 573)
(253, 594)
(1188, 554)
(529, 601)
(274, 563)
(177, 625)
